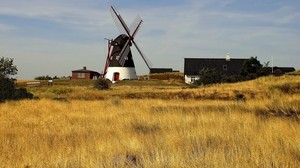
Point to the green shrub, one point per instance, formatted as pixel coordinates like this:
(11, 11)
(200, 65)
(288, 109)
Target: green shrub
(22, 93)
(102, 84)
(230, 78)
(208, 76)
(7, 88)
(9, 92)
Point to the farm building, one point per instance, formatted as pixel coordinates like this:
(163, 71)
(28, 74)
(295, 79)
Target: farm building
(281, 70)
(160, 70)
(84, 74)
(192, 66)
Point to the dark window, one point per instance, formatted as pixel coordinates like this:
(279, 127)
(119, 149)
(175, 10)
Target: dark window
(225, 67)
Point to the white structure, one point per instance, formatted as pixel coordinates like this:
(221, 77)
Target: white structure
(227, 57)
(121, 73)
(189, 79)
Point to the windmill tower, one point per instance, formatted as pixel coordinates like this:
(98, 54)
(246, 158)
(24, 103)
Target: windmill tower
(119, 61)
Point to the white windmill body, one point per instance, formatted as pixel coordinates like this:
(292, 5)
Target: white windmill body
(121, 73)
(119, 62)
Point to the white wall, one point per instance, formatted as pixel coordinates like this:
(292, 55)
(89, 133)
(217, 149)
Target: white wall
(188, 78)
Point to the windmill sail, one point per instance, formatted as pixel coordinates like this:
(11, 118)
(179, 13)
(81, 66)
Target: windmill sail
(123, 28)
(117, 22)
(136, 23)
(146, 60)
(124, 52)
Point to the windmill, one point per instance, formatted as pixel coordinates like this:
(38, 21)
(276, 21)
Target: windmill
(119, 63)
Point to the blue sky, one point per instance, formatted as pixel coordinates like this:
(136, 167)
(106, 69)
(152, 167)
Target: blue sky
(53, 37)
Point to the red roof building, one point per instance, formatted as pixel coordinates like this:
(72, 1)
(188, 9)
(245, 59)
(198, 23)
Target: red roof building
(84, 74)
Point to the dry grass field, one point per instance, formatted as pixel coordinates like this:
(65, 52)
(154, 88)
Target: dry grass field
(162, 124)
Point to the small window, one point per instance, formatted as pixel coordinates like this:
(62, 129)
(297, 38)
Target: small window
(225, 67)
(80, 75)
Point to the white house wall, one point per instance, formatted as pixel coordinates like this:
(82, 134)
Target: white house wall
(188, 78)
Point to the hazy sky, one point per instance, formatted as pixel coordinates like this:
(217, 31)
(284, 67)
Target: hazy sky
(54, 37)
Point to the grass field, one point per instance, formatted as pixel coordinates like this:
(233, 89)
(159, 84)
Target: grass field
(156, 123)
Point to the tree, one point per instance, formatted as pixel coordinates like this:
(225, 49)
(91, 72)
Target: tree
(47, 77)
(265, 70)
(7, 68)
(208, 76)
(251, 68)
(8, 90)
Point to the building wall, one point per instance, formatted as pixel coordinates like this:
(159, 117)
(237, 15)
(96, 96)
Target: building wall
(125, 73)
(192, 66)
(189, 79)
(81, 75)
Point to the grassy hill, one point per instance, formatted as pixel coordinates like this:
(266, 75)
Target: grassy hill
(154, 123)
(271, 95)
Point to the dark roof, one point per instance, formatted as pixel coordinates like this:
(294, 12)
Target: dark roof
(192, 66)
(285, 69)
(160, 70)
(84, 70)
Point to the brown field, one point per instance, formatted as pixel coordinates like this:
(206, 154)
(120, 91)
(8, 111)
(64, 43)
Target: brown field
(155, 123)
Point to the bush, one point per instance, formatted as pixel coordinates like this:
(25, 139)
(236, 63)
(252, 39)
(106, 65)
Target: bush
(7, 88)
(239, 96)
(44, 78)
(251, 68)
(102, 84)
(230, 78)
(9, 92)
(208, 76)
(22, 94)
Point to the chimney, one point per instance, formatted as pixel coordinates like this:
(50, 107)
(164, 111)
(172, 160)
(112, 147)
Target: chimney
(84, 68)
(227, 57)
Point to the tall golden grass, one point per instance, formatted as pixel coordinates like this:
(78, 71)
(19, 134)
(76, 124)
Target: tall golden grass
(175, 127)
(144, 133)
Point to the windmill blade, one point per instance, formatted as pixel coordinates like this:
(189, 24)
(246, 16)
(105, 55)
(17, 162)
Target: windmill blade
(124, 52)
(119, 21)
(124, 57)
(147, 61)
(135, 24)
(137, 28)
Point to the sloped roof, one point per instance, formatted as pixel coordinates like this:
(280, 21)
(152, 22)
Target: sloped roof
(284, 69)
(84, 70)
(192, 66)
(160, 70)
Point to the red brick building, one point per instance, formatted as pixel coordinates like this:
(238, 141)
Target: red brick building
(84, 74)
